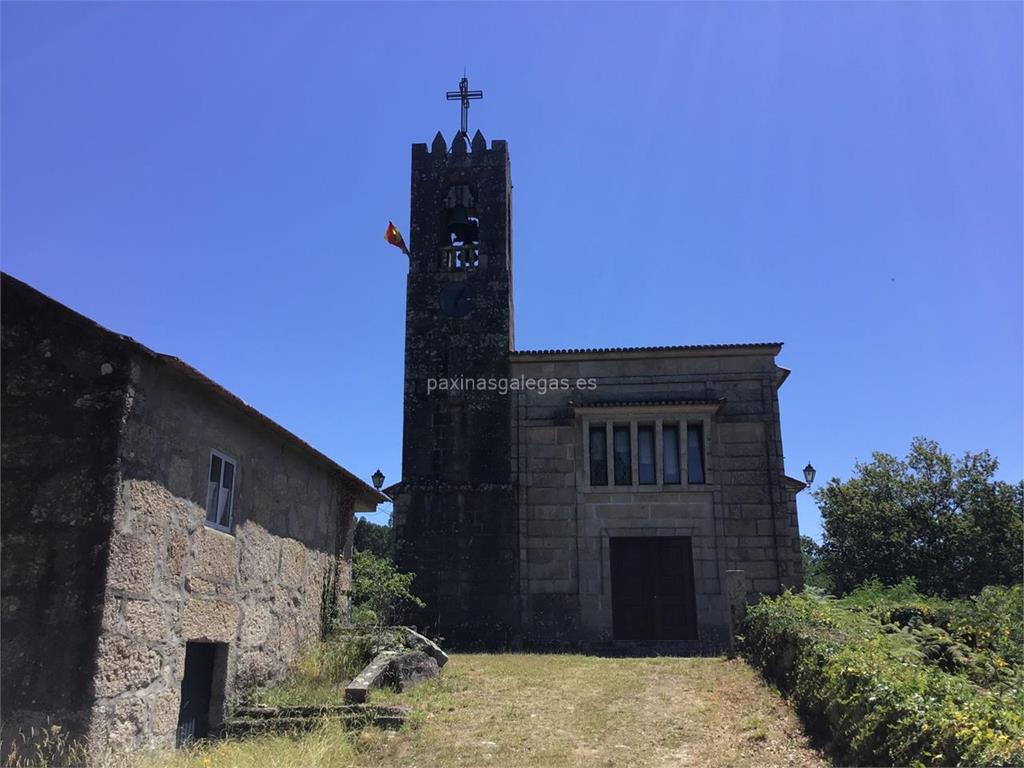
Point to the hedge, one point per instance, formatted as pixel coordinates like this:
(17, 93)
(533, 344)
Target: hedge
(893, 678)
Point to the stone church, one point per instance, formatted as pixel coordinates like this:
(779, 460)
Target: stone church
(576, 497)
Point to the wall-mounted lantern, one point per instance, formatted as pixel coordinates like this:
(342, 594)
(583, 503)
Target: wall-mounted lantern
(809, 473)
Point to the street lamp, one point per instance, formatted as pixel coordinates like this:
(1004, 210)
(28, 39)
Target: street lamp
(378, 479)
(809, 473)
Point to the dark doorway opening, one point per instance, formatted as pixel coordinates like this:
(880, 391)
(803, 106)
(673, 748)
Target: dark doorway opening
(202, 691)
(652, 589)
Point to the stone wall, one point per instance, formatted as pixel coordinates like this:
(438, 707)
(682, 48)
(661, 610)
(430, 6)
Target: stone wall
(743, 517)
(172, 579)
(65, 383)
(454, 513)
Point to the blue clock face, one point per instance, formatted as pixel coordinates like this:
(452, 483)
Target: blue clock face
(456, 299)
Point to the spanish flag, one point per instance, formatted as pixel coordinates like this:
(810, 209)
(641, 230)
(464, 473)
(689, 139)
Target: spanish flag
(393, 236)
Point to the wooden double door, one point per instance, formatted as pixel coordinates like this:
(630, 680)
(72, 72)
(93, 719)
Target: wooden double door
(653, 596)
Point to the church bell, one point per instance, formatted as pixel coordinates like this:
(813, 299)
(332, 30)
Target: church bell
(463, 228)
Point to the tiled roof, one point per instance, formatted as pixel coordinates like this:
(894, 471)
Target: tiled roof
(589, 350)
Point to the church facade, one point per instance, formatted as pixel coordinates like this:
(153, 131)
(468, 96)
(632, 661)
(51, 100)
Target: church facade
(572, 497)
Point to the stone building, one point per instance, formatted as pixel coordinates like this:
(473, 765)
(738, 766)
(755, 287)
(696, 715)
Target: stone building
(571, 496)
(164, 544)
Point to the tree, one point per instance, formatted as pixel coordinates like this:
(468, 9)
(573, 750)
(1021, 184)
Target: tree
(814, 573)
(940, 520)
(370, 537)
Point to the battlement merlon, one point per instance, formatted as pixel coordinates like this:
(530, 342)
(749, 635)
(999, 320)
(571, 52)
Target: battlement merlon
(438, 151)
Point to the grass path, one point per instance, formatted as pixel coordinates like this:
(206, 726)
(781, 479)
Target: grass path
(521, 711)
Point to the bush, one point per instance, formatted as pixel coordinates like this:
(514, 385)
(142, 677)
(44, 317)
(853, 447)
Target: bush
(889, 686)
(364, 616)
(981, 637)
(380, 593)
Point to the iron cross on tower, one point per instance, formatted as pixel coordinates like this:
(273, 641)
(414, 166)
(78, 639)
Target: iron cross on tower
(464, 95)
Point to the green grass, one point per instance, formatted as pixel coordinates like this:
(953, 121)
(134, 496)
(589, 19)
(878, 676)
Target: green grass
(320, 676)
(548, 711)
(327, 746)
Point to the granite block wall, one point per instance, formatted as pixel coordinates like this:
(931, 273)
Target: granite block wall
(742, 517)
(64, 396)
(454, 514)
(108, 567)
(172, 579)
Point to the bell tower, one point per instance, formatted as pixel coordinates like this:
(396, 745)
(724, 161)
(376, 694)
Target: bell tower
(455, 525)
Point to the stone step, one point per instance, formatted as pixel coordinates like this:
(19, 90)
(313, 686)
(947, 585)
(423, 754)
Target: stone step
(249, 721)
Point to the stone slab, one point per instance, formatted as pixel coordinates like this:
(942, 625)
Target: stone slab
(374, 675)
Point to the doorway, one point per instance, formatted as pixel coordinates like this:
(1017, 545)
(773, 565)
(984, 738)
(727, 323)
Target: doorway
(202, 691)
(653, 595)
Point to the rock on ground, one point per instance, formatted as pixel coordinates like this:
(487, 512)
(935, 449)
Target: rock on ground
(418, 642)
(410, 669)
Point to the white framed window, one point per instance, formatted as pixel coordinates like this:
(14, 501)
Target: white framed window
(220, 491)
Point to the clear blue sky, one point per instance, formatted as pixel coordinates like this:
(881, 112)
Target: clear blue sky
(214, 179)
